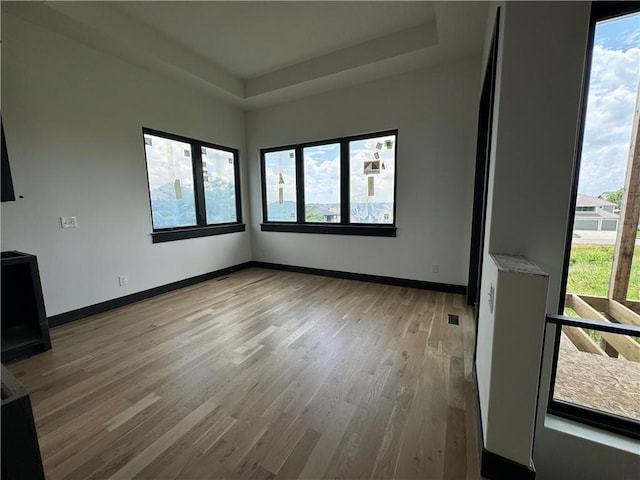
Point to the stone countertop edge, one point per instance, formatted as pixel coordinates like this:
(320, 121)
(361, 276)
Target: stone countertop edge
(517, 264)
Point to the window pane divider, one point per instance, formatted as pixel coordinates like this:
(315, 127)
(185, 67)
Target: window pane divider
(300, 206)
(198, 180)
(345, 179)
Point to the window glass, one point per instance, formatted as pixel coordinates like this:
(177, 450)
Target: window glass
(322, 183)
(372, 164)
(280, 177)
(591, 378)
(597, 371)
(219, 185)
(170, 176)
(345, 186)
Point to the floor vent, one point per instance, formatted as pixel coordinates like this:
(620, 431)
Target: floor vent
(454, 319)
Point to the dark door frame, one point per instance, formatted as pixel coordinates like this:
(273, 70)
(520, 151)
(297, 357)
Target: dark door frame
(483, 156)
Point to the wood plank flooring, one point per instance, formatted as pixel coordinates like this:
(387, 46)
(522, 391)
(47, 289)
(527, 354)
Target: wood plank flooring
(262, 374)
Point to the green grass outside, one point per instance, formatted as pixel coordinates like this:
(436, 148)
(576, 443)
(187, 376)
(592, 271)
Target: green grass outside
(590, 271)
(589, 274)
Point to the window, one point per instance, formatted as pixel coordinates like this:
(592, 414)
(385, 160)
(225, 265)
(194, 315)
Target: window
(596, 369)
(280, 185)
(372, 164)
(341, 186)
(586, 209)
(322, 183)
(588, 384)
(193, 187)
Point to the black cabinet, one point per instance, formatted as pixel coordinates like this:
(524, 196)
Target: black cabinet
(25, 329)
(21, 457)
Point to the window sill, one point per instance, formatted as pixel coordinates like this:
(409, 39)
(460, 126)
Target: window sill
(594, 418)
(331, 229)
(195, 232)
(592, 434)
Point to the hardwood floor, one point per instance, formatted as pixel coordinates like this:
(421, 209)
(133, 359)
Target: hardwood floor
(261, 374)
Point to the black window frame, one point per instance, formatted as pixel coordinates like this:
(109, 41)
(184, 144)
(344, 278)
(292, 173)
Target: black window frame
(202, 228)
(600, 12)
(581, 413)
(7, 192)
(345, 227)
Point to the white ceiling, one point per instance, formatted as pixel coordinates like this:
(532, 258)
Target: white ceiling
(253, 38)
(255, 54)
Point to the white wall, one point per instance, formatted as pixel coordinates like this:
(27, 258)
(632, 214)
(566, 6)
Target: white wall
(484, 346)
(435, 111)
(540, 67)
(540, 72)
(507, 370)
(73, 118)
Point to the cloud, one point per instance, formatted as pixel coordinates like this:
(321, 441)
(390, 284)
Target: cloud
(610, 110)
(166, 161)
(216, 164)
(633, 38)
(384, 182)
(322, 180)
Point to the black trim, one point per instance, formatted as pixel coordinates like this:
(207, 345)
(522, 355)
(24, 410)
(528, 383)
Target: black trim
(478, 412)
(581, 413)
(483, 157)
(300, 206)
(345, 220)
(7, 193)
(202, 229)
(497, 467)
(363, 277)
(80, 313)
(540, 370)
(606, 10)
(198, 184)
(345, 186)
(331, 229)
(554, 362)
(492, 465)
(183, 233)
(610, 327)
(102, 307)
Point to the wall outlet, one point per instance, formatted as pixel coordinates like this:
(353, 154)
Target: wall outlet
(123, 280)
(69, 222)
(435, 268)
